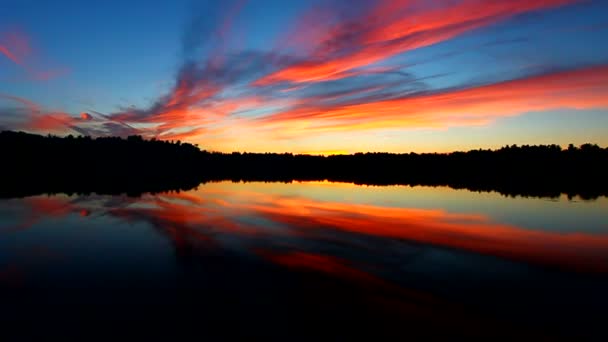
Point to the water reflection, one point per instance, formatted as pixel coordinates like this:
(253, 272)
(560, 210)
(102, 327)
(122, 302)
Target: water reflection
(397, 254)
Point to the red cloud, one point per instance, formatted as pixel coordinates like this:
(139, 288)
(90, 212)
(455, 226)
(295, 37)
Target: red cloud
(31, 106)
(206, 94)
(6, 52)
(50, 122)
(16, 47)
(394, 27)
(49, 74)
(580, 89)
(39, 119)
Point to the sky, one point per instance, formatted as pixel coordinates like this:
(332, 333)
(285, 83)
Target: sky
(309, 76)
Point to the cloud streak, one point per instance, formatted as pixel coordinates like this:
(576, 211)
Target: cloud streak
(196, 99)
(30, 116)
(335, 71)
(324, 77)
(576, 89)
(16, 47)
(393, 27)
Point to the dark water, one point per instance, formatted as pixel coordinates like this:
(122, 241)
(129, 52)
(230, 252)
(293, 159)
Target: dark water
(305, 260)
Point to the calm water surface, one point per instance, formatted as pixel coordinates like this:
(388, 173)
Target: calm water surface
(285, 261)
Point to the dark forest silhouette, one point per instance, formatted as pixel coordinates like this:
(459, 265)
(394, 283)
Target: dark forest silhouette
(34, 164)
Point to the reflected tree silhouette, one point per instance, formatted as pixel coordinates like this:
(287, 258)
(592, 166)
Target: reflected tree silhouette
(35, 164)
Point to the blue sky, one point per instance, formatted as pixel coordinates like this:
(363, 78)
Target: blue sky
(308, 76)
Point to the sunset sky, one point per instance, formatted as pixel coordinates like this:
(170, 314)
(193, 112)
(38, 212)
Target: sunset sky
(309, 76)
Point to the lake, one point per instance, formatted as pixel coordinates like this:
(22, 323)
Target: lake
(296, 260)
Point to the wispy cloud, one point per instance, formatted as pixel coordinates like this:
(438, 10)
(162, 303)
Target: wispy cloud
(30, 116)
(393, 27)
(578, 89)
(16, 47)
(323, 76)
(334, 71)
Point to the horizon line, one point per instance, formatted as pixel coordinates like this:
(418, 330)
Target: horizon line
(315, 153)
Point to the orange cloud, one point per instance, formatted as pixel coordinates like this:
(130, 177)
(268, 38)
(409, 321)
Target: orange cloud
(578, 89)
(209, 95)
(183, 134)
(175, 112)
(395, 27)
(50, 122)
(41, 120)
(189, 112)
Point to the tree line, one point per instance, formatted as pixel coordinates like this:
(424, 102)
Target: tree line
(133, 165)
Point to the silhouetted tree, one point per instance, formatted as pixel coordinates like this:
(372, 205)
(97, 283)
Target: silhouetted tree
(37, 164)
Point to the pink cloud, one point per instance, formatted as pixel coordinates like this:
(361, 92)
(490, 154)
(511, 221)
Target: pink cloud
(391, 28)
(583, 88)
(16, 47)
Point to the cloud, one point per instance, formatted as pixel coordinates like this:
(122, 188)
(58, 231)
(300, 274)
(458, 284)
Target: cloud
(323, 75)
(393, 27)
(582, 88)
(48, 75)
(16, 47)
(199, 96)
(32, 117)
(7, 53)
(332, 72)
